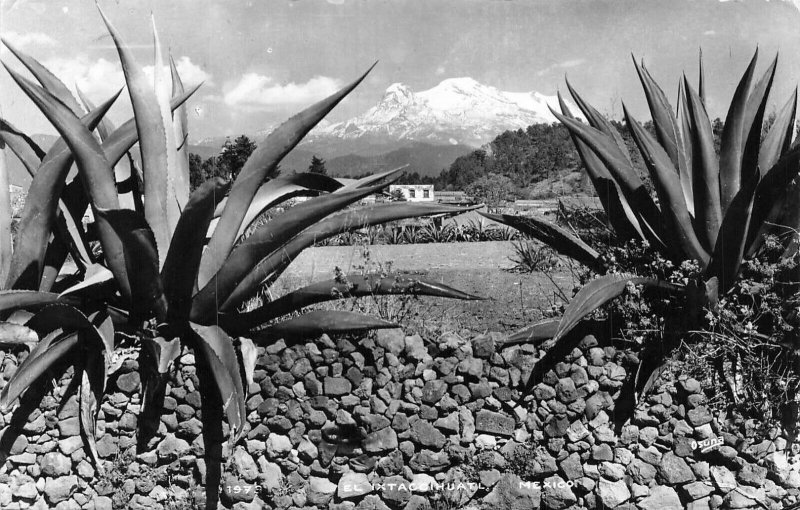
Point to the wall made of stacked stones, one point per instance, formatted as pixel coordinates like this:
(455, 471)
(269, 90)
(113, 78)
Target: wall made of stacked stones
(391, 421)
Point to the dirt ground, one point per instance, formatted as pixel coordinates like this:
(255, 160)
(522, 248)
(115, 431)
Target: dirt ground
(485, 269)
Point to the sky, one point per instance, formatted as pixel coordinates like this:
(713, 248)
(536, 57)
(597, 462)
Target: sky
(262, 61)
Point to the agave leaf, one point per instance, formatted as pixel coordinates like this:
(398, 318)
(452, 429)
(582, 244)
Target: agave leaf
(183, 259)
(96, 275)
(141, 261)
(280, 189)
(217, 349)
(105, 127)
(597, 293)
(705, 170)
(771, 196)
(348, 286)
(685, 141)
(664, 121)
(164, 352)
(94, 169)
(618, 211)
(67, 317)
(274, 263)
(115, 146)
(47, 79)
(317, 322)
(535, 333)
(701, 79)
(734, 136)
(266, 239)
(177, 192)
(41, 212)
(16, 334)
(152, 139)
(28, 299)
(249, 356)
(6, 239)
(754, 119)
(729, 251)
(264, 159)
(158, 356)
(35, 365)
(665, 178)
(370, 180)
(779, 138)
(599, 122)
(622, 171)
(22, 146)
(92, 386)
(180, 123)
(552, 235)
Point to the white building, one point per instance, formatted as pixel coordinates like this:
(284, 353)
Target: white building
(414, 192)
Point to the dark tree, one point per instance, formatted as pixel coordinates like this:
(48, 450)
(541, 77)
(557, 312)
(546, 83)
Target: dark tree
(317, 166)
(233, 156)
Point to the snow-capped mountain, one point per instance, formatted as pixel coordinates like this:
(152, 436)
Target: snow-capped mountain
(456, 111)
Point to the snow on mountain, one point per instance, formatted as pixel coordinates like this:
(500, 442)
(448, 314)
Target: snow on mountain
(456, 111)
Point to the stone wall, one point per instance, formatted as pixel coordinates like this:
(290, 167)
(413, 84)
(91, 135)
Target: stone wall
(396, 422)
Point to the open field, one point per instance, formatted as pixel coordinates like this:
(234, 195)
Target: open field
(484, 268)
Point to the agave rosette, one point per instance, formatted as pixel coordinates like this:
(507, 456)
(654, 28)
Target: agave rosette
(713, 209)
(158, 278)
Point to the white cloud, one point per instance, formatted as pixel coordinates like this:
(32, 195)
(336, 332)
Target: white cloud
(100, 78)
(28, 39)
(440, 70)
(255, 90)
(566, 64)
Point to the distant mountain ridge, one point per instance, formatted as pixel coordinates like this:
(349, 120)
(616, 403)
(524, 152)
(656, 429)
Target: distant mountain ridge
(456, 111)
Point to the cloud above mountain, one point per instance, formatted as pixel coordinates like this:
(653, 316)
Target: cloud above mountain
(255, 90)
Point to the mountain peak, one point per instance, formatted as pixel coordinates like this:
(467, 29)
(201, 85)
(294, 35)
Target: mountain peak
(457, 109)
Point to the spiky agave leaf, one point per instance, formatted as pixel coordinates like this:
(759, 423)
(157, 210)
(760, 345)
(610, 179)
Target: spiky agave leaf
(619, 212)
(60, 327)
(618, 163)
(41, 211)
(152, 139)
(685, 140)
(180, 124)
(266, 239)
(183, 259)
(705, 170)
(249, 354)
(141, 262)
(27, 151)
(48, 80)
(552, 235)
(216, 347)
(666, 180)
(274, 263)
(734, 138)
(93, 167)
(177, 187)
(263, 160)
(600, 291)
(280, 189)
(6, 239)
(535, 333)
(754, 119)
(779, 137)
(317, 322)
(348, 286)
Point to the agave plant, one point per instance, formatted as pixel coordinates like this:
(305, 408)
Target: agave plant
(158, 281)
(713, 210)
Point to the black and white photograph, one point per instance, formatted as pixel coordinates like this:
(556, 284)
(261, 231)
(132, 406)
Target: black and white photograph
(399, 254)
